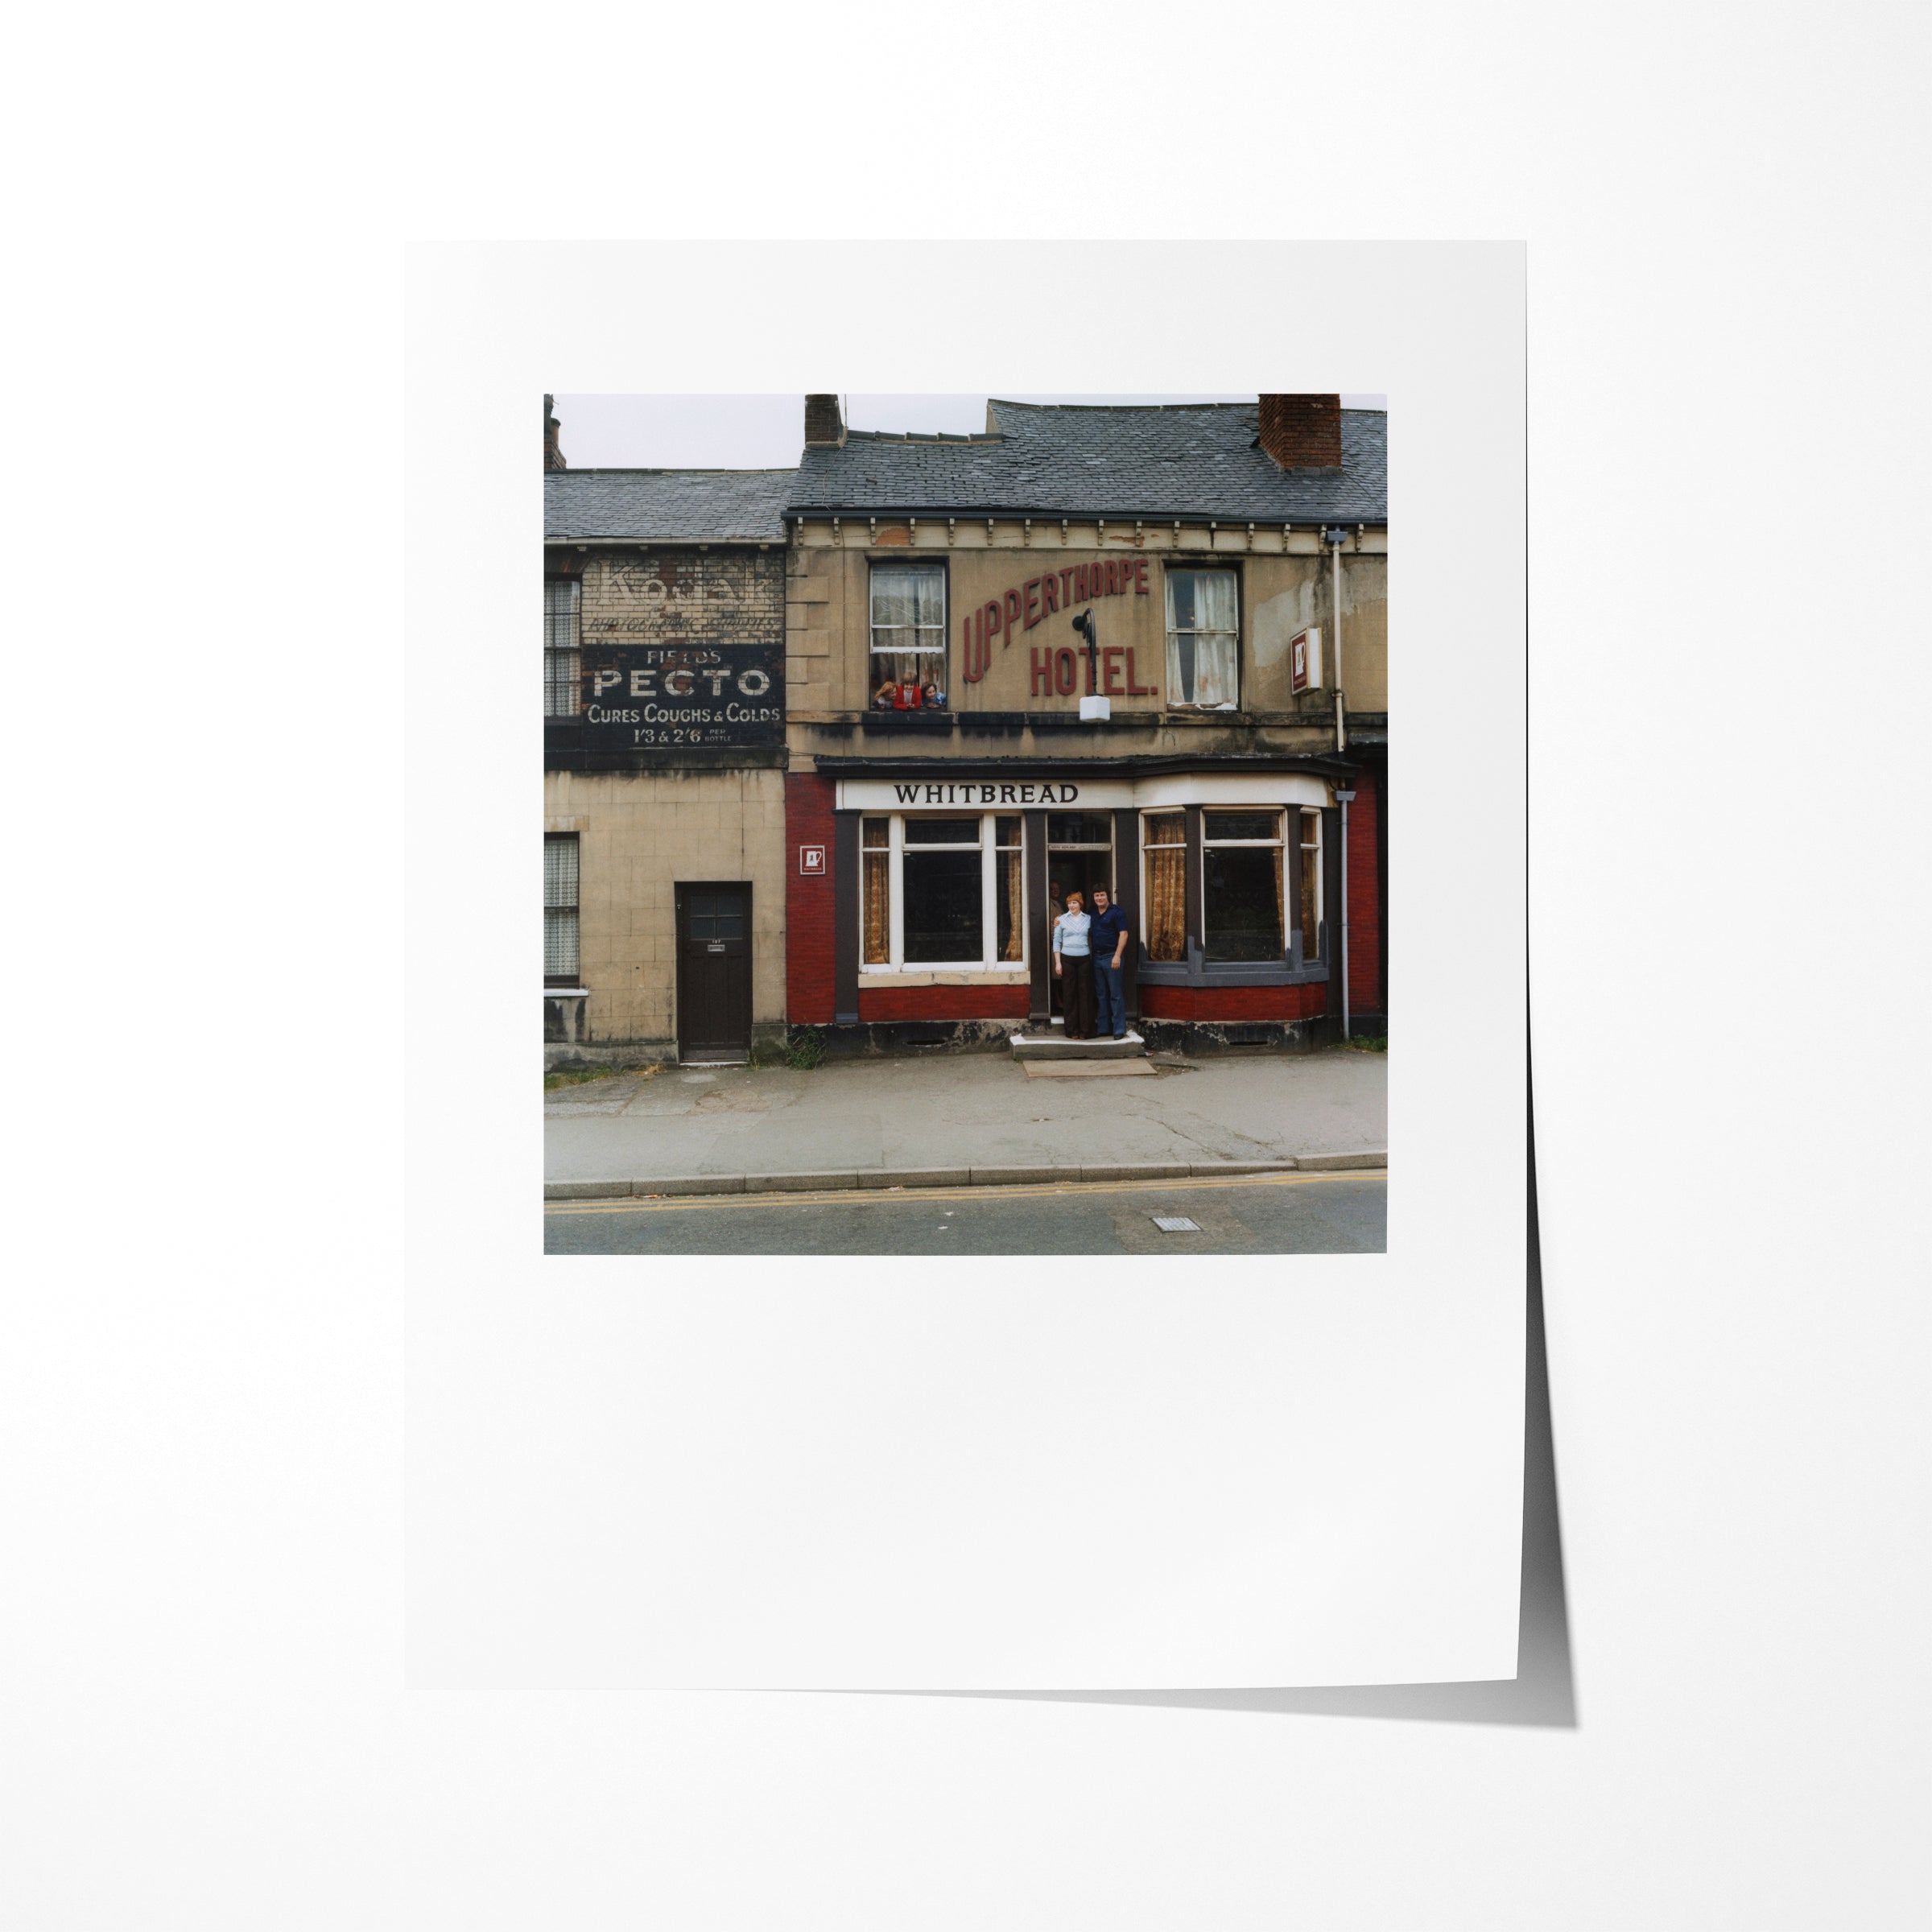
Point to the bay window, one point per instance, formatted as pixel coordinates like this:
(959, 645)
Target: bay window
(1204, 633)
(1241, 908)
(941, 891)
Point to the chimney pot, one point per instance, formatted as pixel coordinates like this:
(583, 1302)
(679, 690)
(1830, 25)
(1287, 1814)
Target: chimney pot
(824, 427)
(1302, 432)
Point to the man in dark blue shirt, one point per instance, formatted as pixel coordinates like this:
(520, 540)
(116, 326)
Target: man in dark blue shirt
(1107, 937)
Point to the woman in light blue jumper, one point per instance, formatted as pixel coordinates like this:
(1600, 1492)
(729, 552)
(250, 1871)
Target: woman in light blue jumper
(1070, 942)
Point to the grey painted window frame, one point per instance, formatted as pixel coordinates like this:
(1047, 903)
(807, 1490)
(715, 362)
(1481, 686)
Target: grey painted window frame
(1296, 966)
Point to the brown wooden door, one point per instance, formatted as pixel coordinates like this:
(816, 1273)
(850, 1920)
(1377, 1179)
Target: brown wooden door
(714, 972)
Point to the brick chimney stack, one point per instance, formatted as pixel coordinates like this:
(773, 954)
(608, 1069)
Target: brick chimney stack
(553, 457)
(823, 425)
(1302, 432)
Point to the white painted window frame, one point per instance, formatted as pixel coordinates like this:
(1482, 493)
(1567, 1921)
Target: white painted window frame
(990, 883)
(918, 649)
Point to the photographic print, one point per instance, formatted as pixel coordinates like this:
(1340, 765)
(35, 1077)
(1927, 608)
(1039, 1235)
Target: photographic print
(971, 836)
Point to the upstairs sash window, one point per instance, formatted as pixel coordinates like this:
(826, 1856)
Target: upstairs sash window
(1204, 655)
(562, 659)
(908, 635)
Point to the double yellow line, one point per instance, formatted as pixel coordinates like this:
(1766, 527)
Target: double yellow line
(878, 1197)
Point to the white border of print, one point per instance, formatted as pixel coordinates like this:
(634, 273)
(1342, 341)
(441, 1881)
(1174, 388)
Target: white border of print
(1247, 1471)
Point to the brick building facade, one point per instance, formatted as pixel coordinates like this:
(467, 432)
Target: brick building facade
(1089, 645)
(828, 747)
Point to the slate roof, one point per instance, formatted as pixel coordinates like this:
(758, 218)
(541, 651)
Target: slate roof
(661, 506)
(1195, 460)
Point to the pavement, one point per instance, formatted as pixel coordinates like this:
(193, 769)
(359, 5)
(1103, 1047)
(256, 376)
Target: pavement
(937, 1119)
(1291, 1213)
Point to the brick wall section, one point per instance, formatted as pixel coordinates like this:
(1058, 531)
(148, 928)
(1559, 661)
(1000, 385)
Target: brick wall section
(809, 914)
(1364, 909)
(1302, 432)
(1306, 1001)
(943, 1003)
(684, 596)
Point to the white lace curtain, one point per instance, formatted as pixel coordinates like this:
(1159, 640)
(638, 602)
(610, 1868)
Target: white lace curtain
(1204, 655)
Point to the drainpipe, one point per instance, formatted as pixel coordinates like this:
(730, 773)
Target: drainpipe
(1333, 537)
(1344, 799)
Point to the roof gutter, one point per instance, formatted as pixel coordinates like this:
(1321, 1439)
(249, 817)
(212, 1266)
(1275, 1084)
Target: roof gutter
(556, 542)
(1234, 519)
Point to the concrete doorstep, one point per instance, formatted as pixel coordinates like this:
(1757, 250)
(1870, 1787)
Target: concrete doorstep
(1062, 1175)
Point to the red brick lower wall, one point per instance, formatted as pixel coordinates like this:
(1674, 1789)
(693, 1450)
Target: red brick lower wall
(943, 1003)
(809, 919)
(1306, 1001)
(1364, 904)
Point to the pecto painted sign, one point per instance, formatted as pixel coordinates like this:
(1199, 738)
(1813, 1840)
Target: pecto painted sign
(642, 696)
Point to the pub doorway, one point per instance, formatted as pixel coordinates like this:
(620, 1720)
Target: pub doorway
(1079, 857)
(714, 973)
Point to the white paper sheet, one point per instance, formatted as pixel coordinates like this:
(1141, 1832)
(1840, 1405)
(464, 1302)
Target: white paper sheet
(1278, 1471)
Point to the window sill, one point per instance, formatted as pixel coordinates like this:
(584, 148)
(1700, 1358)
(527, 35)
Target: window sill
(875, 976)
(566, 992)
(1257, 973)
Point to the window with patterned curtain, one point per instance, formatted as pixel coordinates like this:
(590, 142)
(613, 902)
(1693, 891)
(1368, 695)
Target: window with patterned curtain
(875, 836)
(1009, 899)
(1164, 887)
(560, 958)
(563, 657)
(942, 889)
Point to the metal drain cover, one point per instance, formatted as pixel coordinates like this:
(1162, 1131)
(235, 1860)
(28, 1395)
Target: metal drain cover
(1176, 1224)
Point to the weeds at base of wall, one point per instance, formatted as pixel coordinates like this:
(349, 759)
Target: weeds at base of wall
(805, 1049)
(575, 1076)
(578, 1075)
(1367, 1042)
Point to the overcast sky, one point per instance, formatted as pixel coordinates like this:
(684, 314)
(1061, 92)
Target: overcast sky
(767, 432)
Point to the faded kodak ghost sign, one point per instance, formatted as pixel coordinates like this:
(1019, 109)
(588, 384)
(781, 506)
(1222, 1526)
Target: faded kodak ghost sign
(1061, 670)
(642, 696)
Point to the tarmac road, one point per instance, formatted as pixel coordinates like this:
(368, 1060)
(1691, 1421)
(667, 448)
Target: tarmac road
(1271, 1214)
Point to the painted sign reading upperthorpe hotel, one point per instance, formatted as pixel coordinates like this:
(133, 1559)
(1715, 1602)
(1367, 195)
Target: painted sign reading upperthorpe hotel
(642, 696)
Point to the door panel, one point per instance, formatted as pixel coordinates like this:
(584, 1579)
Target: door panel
(714, 972)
